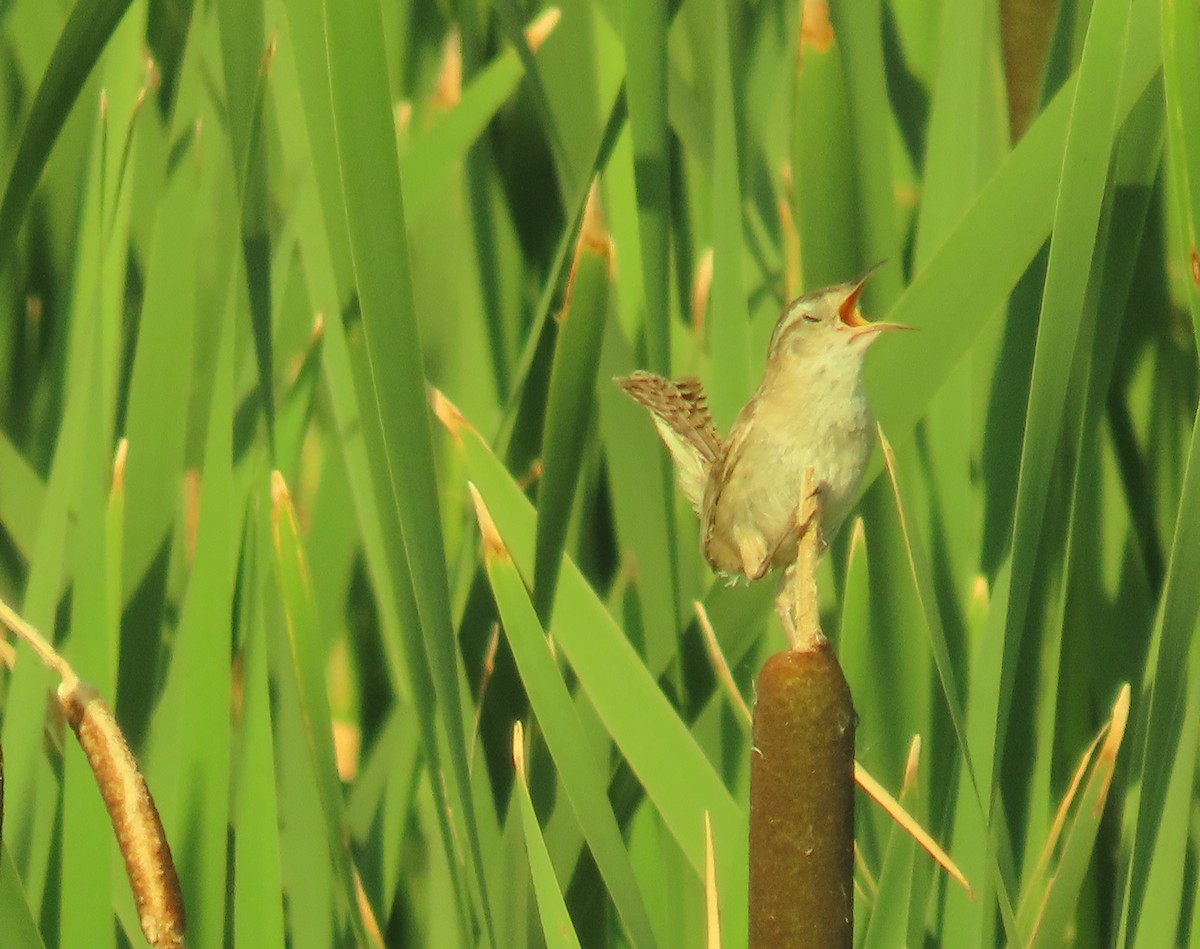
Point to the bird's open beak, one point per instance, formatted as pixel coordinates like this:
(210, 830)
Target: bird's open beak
(851, 316)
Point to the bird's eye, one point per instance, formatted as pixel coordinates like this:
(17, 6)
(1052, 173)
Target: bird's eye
(809, 318)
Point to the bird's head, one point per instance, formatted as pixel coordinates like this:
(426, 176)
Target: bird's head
(826, 322)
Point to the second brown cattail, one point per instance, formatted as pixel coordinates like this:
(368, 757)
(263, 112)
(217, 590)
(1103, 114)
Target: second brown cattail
(134, 817)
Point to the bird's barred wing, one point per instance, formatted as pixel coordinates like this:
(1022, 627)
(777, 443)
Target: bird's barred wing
(691, 390)
(680, 413)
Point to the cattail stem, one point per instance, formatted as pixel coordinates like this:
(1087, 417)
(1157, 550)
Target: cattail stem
(38, 643)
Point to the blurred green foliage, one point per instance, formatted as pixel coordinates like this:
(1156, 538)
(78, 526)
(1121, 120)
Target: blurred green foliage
(265, 237)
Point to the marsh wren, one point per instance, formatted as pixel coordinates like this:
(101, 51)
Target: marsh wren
(810, 410)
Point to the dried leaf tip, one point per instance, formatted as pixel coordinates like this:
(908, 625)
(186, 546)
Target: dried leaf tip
(712, 902)
(911, 764)
(701, 286)
(119, 459)
(366, 911)
(151, 81)
(540, 29)
(721, 664)
(269, 54)
(279, 489)
(816, 32)
(593, 238)
(151, 77)
(446, 412)
(518, 751)
(858, 536)
(906, 822)
(1116, 725)
(493, 546)
(593, 242)
(447, 91)
(402, 116)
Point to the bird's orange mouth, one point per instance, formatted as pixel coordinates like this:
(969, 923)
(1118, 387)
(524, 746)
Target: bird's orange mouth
(848, 311)
(851, 316)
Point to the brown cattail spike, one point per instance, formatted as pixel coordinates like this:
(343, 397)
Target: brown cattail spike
(802, 804)
(134, 817)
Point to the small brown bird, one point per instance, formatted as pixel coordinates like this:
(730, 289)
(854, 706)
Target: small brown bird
(810, 410)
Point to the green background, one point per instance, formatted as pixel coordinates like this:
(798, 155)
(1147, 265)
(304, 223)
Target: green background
(247, 236)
